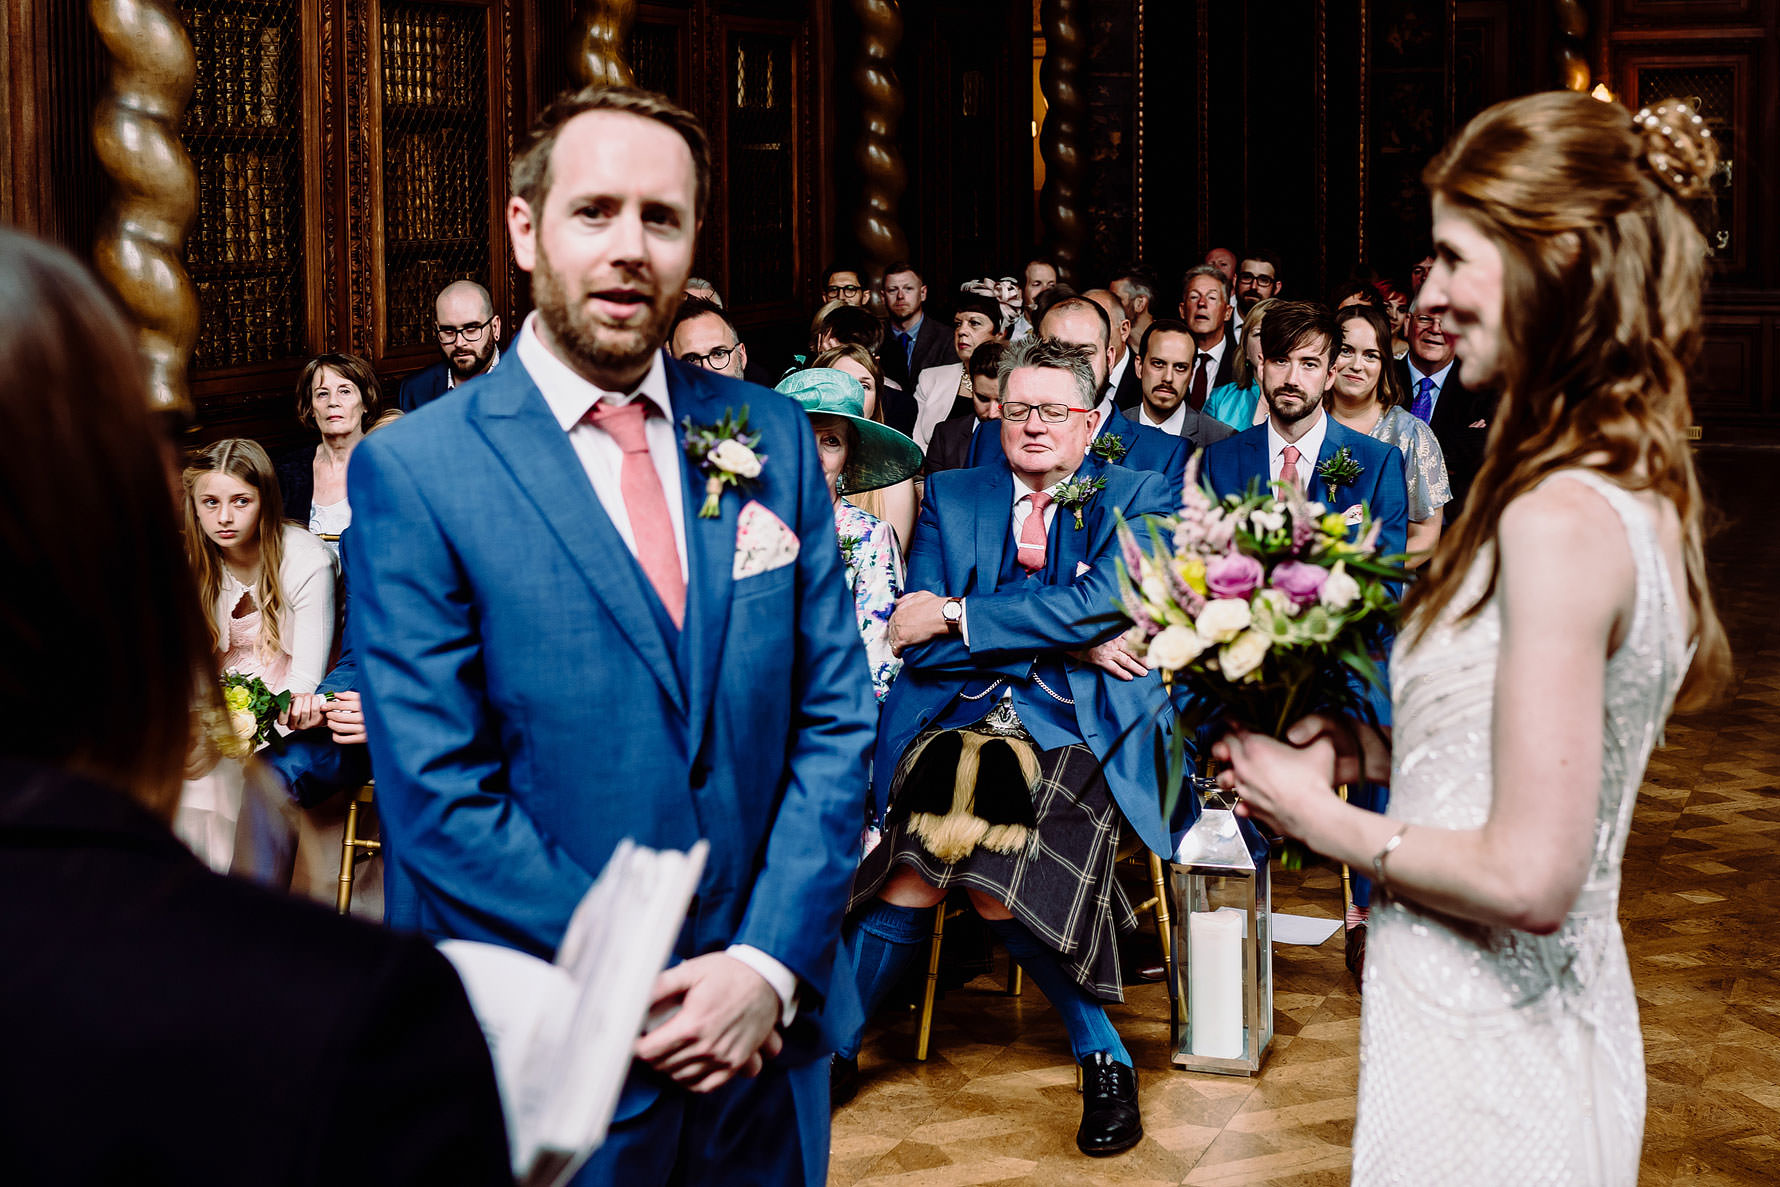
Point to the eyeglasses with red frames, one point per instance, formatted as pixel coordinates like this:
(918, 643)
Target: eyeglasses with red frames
(1051, 414)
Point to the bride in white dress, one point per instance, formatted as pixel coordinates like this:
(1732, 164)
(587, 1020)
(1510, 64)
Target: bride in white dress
(1540, 657)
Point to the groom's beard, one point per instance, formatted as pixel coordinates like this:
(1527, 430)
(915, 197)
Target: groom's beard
(1291, 403)
(599, 347)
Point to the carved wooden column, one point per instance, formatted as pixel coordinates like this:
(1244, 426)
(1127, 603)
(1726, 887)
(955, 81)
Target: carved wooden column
(140, 250)
(1569, 47)
(599, 40)
(1060, 142)
(880, 161)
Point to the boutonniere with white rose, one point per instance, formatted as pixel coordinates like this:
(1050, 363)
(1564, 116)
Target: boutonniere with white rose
(726, 453)
(1075, 494)
(1339, 471)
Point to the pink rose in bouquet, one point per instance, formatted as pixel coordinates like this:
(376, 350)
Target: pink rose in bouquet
(1299, 581)
(1234, 575)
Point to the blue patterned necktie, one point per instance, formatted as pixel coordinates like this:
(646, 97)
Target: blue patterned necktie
(1423, 407)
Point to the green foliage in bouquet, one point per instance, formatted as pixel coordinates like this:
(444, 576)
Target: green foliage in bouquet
(1262, 607)
(253, 710)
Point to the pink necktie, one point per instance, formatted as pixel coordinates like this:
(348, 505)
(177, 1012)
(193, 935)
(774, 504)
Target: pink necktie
(644, 502)
(1288, 468)
(1032, 535)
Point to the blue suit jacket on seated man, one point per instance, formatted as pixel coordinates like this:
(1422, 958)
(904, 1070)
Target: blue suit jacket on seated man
(531, 704)
(312, 765)
(1145, 448)
(959, 550)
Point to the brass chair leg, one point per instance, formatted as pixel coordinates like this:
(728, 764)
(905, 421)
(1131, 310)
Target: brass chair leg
(925, 1033)
(1159, 883)
(348, 857)
(1016, 977)
(1347, 881)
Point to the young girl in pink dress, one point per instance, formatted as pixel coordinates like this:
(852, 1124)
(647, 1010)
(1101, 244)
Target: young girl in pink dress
(268, 592)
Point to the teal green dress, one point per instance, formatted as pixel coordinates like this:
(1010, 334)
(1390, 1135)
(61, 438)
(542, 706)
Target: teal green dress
(1233, 405)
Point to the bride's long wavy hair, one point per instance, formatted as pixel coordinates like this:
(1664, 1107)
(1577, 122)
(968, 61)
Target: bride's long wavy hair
(1603, 268)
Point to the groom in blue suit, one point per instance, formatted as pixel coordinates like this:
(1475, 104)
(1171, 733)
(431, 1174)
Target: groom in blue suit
(559, 651)
(1298, 344)
(1017, 740)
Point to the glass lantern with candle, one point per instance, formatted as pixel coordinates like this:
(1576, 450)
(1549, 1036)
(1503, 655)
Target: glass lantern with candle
(1223, 947)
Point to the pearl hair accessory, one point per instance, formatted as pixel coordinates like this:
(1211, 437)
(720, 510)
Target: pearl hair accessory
(1669, 161)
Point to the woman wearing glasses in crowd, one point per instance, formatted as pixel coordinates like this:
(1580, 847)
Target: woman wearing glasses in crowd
(1368, 398)
(337, 394)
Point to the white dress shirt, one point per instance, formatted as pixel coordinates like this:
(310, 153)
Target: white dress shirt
(570, 397)
(1439, 378)
(1175, 422)
(1309, 446)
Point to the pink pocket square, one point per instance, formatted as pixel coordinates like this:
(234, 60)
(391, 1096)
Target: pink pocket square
(762, 542)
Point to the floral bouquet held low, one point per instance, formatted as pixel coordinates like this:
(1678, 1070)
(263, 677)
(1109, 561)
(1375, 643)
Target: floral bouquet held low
(1260, 606)
(253, 711)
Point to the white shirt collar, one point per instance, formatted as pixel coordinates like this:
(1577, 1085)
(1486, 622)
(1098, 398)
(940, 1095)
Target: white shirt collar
(1217, 360)
(1310, 446)
(571, 397)
(451, 376)
(1176, 421)
(1105, 408)
(1416, 375)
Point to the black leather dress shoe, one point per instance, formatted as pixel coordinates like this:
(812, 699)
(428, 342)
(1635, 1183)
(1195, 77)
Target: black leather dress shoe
(843, 1080)
(1110, 1122)
(1356, 951)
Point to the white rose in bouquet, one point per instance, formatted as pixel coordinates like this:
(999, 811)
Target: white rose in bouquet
(242, 721)
(1175, 648)
(1223, 619)
(732, 457)
(1244, 654)
(1340, 590)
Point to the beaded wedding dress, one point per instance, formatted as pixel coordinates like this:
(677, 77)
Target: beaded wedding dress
(1491, 1056)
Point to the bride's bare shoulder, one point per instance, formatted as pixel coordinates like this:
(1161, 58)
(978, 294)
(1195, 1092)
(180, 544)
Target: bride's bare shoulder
(1565, 531)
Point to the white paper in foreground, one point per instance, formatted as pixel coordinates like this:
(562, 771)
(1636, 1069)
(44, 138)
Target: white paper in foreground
(1302, 929)
(561, 1034)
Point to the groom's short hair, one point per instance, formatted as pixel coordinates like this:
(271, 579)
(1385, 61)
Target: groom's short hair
(530, 175)
(1290, 325)
(1050, 355)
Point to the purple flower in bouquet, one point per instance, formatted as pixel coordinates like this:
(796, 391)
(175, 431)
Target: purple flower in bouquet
(1299, 581)
(1234, 575)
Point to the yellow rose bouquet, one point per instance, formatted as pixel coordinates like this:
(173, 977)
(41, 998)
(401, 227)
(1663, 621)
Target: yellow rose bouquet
(252, 709)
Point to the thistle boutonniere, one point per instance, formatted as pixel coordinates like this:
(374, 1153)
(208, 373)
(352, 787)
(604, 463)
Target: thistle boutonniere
(1108, 447)
(724, 453)
(1340, 470)
(1075, 494)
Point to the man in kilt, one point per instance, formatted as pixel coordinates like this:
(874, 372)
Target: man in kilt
(1005, 739)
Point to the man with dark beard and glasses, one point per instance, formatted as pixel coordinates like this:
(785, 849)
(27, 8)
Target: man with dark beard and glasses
(469, 333)
(561, 649)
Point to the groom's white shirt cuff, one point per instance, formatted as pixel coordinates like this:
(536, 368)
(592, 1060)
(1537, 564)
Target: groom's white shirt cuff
(782, 979)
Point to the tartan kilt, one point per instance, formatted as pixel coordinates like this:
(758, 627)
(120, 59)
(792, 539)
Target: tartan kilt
(1060, 884)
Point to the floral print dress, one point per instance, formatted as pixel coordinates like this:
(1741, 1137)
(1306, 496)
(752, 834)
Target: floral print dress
(874, 570)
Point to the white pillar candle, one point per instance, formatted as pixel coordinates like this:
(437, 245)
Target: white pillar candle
(1214, 982)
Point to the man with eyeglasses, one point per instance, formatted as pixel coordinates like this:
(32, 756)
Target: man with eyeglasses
(1459, 417)
(1257, 278)
(469, 335)
(1004, 726)
(844, 285)
(704, 336)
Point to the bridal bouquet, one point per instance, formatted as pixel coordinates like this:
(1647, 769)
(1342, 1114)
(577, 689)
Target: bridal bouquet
(253, 710)
(1260, 606)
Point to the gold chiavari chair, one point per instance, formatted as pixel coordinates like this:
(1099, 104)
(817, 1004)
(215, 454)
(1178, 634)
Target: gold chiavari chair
(354, 848)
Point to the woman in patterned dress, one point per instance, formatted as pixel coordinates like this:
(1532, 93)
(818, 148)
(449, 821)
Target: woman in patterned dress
(1551, 635)
(1368, 398)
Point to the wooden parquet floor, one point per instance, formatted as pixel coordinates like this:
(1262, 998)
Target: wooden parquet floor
(996, 1101)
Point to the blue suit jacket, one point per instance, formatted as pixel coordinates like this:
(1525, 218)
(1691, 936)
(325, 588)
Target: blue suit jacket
(528, 710)
(314, 767)
(1145, 448)
(423, 387)
(1231, 464)
(957, 551)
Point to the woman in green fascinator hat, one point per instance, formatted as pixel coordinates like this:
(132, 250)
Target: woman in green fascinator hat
(859, 454)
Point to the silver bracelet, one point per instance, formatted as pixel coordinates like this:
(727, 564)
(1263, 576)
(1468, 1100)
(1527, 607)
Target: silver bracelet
(1379, 878)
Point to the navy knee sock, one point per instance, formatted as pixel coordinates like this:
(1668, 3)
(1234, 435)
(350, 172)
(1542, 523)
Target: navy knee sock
(883, 939)
(1089, 1028)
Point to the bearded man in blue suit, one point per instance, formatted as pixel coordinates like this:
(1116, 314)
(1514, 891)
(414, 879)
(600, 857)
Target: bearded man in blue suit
(1016, 740)
(559, 651)
(1296, 441)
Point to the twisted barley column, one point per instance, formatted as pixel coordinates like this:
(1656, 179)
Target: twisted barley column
(1061, 141)
(880, 162)
(1572, 29)
(599, 41)
(141, 244)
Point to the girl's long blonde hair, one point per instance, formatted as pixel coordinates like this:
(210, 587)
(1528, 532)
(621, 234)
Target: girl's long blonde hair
(245, 461)
(1602, 274)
